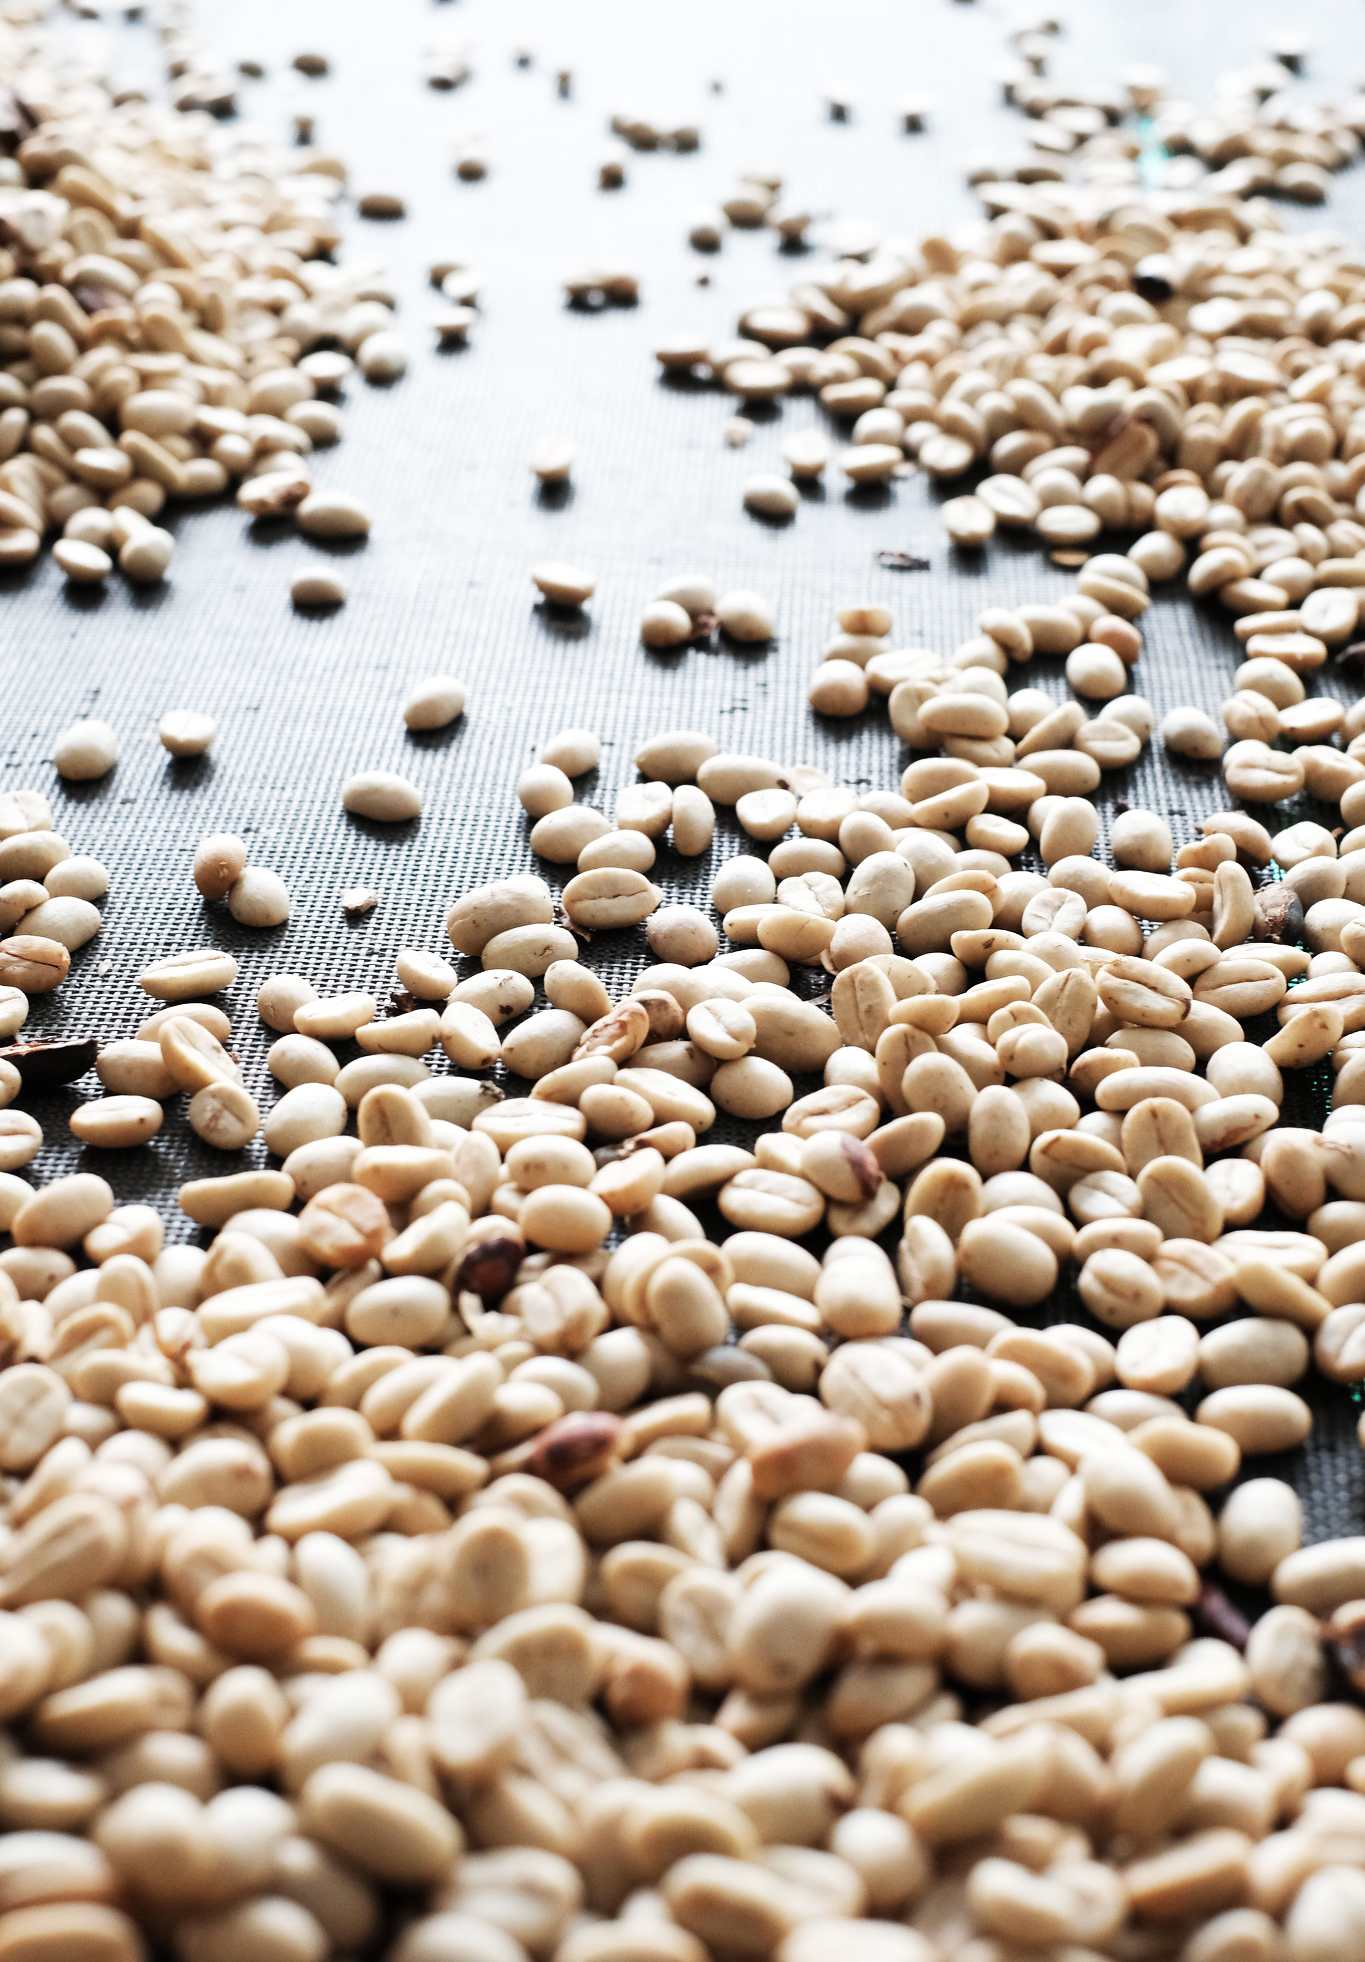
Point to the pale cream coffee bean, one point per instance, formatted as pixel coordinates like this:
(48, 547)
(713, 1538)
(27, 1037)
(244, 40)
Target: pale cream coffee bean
(318, 589)
(85, 751)
(21, 1139)
(608, 898)
(84, 565)
(70, 922)
(113, 1123)
(426, 975)
(1007, 1262)
(13, 1012)
(690, 590)
(1190, 732)
(751, 1088)
(644, 807)
(382, 357)
(277, 491)
(968, 521)
(381, 795)
(543, 789)
(664, 623)
(92, 524)
(868, 462)
(332, 514)
(1161, 1356)
(534, 1162)
(219, 861)
(806, 452)
(562, 836)
(565, 1219)
(772, 496)
(1259, 774)
(563, 585)
(280, 997)
(1262, 1417)
(434, 703)
(745, 616)
(552, 460)
(1096, 672)
(1119, 1288)
(193, 1054)
(542, 1043)
(259, 898)
(157, 412)
(1260, 1525)
(1322, 1578)
(1158, 554)
(77, 878)
(469, 1036)
(302, 1115)
(574, 751)
(224, 1115)
(296, 1059)
(409, 1310)
(529, 950)
(203, 1012)
(683, 934)
(631, 850)
(838, 688)
(33, 964)
(390, 1830)
(185, 977)
(1256, 1349)
(132, 1068)
(1141, 840)
(186, 732)
(381, 1069)
(945, 457)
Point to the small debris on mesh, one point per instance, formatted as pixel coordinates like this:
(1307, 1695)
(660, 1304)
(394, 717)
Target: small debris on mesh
(1213, 1614)
(705, 627)
(582, 934)
(1345, 1642)
(902, 561)
(1278, 912)
(359, 899)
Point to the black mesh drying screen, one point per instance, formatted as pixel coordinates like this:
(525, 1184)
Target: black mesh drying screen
(441, 460)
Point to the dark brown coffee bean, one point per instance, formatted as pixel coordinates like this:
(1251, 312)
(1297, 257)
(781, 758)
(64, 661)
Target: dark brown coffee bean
(489, 1267)
(1213, 1614)
(574, 1449)
(45, 1065)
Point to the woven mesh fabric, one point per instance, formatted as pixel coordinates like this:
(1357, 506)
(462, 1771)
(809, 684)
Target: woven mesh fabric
(440, 459)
